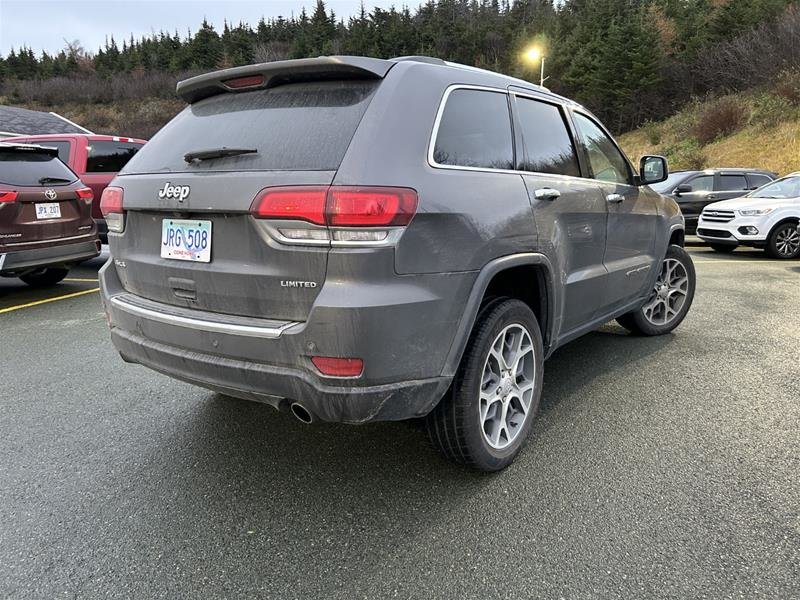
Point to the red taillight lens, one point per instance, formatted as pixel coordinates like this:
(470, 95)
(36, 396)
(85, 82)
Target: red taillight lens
(338, 367)
(294, 203)
(244, 82)
(111, 205)
(111, 201)
(8, 196)
(338, 206)
(85, 194)
(371, 207)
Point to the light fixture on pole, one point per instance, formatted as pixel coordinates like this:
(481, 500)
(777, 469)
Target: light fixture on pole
(535, 54)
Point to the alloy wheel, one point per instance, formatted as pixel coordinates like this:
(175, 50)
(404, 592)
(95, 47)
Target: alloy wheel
(669, 293)
(787, 241)
(507, 386)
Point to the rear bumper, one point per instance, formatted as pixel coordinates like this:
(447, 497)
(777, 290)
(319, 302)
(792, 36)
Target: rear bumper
(50, 255)
(280, 386)
(269, 361)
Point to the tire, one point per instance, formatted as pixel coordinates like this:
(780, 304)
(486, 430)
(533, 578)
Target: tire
(723, 248)
(653, 318)
(467, 425)
(784, 241)
(45, 277)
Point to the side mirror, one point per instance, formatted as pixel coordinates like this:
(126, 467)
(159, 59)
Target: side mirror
(652, 169)
(683, 188)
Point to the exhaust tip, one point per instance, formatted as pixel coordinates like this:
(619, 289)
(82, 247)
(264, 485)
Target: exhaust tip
(300, 412)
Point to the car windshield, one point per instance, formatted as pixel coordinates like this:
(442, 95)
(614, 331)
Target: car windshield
(788, 187)
(669, 183)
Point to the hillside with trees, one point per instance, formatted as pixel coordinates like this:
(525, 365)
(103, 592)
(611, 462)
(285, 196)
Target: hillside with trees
(630, 61)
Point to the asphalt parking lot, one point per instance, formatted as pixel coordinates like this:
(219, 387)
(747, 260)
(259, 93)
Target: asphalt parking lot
(658, 467)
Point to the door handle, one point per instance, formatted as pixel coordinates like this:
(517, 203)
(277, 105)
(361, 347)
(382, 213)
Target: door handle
(711, 197)
(546, 194)
(615, 198)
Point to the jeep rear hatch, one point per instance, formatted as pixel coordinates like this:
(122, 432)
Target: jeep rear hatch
(292, 134)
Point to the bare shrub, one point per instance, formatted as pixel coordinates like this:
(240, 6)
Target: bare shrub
(787, 86)
(754, 58)
(722, 117)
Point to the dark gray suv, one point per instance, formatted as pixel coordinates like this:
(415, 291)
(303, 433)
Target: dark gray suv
(353, 239)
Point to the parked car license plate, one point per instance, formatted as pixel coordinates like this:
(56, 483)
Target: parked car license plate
(48, 210)
(182, 239)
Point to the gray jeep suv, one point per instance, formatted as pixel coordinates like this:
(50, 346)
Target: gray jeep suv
(353, 239)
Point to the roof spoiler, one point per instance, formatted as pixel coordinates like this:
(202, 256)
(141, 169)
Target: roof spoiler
(271, 74)
(32, 148)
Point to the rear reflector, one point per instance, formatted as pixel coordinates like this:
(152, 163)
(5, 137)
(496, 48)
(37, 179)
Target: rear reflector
(111, 205)
(85, 194)
(338, 367)
(244, 82)
(8, 196)
(338, 206)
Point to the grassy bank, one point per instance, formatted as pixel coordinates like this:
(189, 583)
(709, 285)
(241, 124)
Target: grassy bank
(757, 128)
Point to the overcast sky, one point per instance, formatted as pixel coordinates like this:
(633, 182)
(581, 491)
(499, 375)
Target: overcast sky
(45, 24)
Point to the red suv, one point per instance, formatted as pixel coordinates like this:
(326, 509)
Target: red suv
(95, 158)
(46, 221)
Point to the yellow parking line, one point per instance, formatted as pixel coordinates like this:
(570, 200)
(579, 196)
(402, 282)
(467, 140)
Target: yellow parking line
(79, 280)
(38, 302)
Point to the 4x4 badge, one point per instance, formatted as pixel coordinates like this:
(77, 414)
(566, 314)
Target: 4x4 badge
(50, 194)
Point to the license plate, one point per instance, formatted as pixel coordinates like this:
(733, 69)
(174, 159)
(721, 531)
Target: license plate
(48, 210)
(186, 240)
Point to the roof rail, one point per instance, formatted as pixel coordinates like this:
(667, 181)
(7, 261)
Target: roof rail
(271, 74)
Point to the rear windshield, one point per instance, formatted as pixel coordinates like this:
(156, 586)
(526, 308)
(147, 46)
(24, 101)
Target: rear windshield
(23, 167)
(296, 127)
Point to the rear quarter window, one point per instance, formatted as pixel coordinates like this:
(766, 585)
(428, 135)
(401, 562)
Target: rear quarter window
(109, 157)
(300, 126)
(25, 168)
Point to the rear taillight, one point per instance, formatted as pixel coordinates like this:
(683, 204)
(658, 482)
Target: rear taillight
(292, 203)
(8, 196)
(85, 194)
(353, 215)
(370, 207)
(338, 367)
(112, 209)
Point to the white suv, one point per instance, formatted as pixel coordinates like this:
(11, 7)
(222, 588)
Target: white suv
(765, 218)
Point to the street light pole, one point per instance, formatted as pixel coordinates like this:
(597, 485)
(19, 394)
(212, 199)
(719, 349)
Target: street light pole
(541, 73)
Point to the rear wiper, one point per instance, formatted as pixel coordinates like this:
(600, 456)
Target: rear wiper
(44, 180)
(216, 153)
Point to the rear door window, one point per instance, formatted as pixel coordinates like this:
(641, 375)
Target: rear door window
(30, 168)
(729, 183)
(475, 131)
(109, 156)
(294, 127)
(548, 147)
